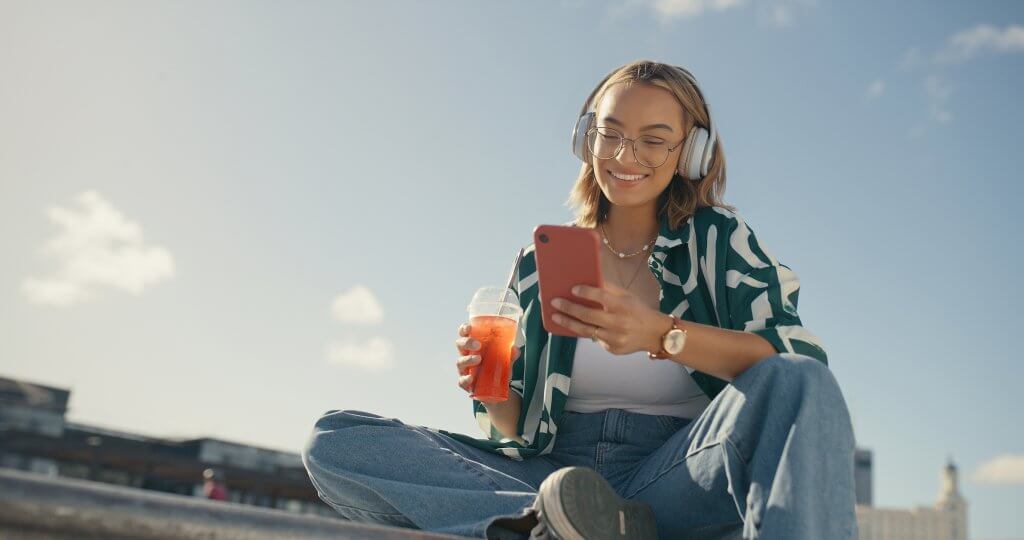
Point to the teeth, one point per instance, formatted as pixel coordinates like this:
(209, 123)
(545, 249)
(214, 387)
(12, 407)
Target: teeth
(627, 177)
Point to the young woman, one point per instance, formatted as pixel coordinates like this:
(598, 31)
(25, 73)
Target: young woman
(700, 407)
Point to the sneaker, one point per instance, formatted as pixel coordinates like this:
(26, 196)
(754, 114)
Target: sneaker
(577, 503)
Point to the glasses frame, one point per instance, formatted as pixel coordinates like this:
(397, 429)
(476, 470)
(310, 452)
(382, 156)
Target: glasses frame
(632, 144)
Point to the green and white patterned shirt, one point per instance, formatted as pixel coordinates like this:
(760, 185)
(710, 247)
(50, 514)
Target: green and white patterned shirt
(712, 270)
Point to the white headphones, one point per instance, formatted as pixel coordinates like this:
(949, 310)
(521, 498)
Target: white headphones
(698, 148)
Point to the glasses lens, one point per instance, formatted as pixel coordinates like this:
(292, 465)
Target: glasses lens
(650, 151)
(604, 143)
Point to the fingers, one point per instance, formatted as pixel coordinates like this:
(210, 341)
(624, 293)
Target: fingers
(598, 317)
(602, 296)
(466, 382)
(610, 287)
(574, 325)
(465, 362)
(467, 376)
(465, 344)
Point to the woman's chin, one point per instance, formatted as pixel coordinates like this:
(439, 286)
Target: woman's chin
(630, 194)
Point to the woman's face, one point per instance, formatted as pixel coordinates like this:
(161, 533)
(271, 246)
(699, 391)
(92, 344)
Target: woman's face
(643, 112)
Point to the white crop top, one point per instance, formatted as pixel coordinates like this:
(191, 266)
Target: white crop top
(602, 380)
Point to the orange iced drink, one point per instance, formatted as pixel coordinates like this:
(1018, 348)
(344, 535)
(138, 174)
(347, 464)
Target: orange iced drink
(494, 314)
(496, 335)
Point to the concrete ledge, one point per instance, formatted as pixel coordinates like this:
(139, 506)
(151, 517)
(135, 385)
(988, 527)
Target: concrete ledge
(36, 507)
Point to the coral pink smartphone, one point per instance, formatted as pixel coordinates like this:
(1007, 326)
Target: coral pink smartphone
(566, 256)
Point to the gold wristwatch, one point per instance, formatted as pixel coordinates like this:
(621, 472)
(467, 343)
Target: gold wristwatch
(672, 342)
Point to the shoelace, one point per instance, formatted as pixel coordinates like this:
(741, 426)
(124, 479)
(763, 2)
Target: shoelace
(540, 531)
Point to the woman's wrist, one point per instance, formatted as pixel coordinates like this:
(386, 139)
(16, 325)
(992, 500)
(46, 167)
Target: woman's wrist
(660, 324)
(504, 415)
(500, 406)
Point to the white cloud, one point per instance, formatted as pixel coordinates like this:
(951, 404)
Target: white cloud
(358, 305)
(376, 354)
(938, 95)
(779, 13)
(875, 89)
(782, 13)
(1002, 469)
(911, 58)
(96, 247)
(980, 39)
(691, 8)
(961, 47)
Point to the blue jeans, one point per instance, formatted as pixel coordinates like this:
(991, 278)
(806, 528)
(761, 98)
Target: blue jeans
(771, 457)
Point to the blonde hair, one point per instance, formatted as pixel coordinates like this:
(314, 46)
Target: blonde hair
(682, 197)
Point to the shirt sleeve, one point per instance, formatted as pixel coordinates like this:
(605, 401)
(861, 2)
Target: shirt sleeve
(761, 294)
(516, 381)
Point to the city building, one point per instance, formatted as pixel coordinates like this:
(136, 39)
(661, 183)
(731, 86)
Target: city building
(36, 437)
(862, 476)
(945, 520)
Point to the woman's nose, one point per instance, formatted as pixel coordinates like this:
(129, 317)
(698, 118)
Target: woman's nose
(627, 154)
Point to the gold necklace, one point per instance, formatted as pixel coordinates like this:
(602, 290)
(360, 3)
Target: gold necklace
(635, 274)
(623, 255)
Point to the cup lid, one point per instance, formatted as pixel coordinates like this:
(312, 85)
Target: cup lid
(494, 294)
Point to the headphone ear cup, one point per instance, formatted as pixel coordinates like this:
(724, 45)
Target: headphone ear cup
(579, 135)
(692, 155)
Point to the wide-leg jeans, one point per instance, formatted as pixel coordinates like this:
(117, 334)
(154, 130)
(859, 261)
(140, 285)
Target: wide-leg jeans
(770, 457)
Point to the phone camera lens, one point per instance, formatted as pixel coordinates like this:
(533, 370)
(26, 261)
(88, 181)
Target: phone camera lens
(544, 238)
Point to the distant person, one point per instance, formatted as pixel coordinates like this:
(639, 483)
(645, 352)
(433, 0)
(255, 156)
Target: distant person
(214, 487)
(738, 429)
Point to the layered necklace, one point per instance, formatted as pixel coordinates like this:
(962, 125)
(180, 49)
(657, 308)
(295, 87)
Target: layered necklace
(624, 255)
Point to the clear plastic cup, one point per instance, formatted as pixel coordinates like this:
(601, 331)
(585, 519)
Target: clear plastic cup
(494, 315)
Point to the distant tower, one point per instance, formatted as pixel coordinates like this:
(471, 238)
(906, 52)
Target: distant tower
(951, 501)
(862, 476)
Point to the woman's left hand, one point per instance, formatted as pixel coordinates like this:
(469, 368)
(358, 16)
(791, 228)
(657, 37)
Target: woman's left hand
(624, 326)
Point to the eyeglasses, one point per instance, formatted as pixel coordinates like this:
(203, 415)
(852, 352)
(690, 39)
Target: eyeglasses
(606, 143)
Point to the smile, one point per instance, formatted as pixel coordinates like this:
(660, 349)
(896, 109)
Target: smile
(630, 178)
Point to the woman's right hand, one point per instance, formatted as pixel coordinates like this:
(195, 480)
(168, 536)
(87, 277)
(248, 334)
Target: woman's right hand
(469, 349)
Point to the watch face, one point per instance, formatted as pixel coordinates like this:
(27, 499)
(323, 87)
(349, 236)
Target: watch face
(674, 341)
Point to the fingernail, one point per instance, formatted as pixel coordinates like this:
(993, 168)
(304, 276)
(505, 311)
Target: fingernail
(558, 303)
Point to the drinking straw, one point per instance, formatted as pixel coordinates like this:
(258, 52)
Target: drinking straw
(511, 278)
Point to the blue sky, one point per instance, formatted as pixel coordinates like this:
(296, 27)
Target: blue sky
(194, 196)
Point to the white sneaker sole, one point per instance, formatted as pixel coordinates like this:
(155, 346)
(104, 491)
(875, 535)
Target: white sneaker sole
(610, 517)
